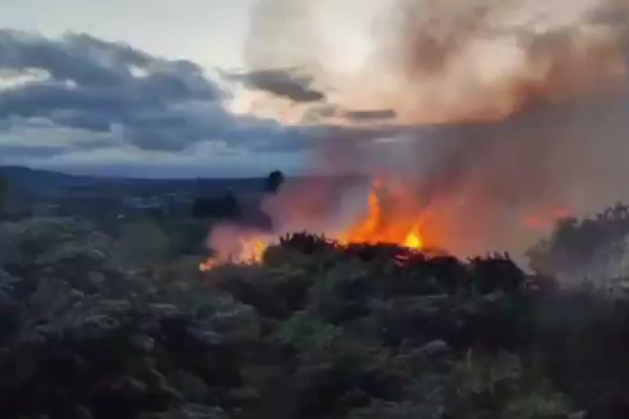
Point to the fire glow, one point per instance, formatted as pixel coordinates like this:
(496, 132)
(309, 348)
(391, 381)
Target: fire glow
(515, 117)
(251, 251)
(384, 222)
(377, 228)
(372, 228)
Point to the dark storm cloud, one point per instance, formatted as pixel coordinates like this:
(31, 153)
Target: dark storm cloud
(14, 151)
(149, 102)
(287, 83)
(326, 112)
(369, 116)
(95, 64)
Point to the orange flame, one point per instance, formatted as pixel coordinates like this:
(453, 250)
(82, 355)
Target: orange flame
(251, 250)
(396, 221)
(375, 227)
(414, 241)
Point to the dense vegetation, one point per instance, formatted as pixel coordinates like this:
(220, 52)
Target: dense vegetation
(119, 323)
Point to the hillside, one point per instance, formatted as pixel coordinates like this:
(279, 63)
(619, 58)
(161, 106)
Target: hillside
(36, 179)
(116, 320)
(317, 331)
(24, 178)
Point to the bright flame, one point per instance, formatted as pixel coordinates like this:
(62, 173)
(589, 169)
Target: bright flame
(248, 250)
(414, 241)
(372, 228)
(379, 227)
(392, 217)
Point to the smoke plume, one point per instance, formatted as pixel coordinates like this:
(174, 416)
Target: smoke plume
(505, 111)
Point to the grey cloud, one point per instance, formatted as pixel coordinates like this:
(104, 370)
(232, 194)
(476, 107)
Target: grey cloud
(14, 151)
(284, 82)
(93, 63)
(369, 116)
(43, 99)
(149, 102)
(321, 114)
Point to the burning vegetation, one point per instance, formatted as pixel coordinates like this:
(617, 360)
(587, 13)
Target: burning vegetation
(374, 228)
(377, 228)
(495, 119)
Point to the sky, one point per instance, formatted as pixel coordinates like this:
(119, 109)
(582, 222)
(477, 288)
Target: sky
(181, 88)
(209, 32)
(138, 87)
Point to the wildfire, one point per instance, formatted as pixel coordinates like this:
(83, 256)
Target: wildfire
(393, 217)
(374, 227)
(249, 250)
(414, 241)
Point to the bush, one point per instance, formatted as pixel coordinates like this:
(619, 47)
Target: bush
(318, 330)
(593, 248)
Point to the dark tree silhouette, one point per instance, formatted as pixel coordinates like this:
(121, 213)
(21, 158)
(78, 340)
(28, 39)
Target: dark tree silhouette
(226, 206)
(580, 246)
(273, 182)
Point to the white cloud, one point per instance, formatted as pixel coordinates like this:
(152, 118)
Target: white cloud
(12, 78)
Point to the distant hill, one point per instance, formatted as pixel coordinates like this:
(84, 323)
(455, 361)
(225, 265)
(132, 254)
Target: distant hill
(24, 177)
(44, 182)
(25, 174)
(47, 182)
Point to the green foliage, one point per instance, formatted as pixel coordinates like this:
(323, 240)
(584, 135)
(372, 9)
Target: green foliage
(593, 247)
(364, 332)
(223, 207)
(89, 329)
(142, 243)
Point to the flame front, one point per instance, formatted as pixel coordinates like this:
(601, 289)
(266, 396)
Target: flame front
(414, 241)
(249, 249)
(376, 226)
(393, 216)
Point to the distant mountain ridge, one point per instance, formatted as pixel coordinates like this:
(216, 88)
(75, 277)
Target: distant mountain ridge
(22, 172)
(27, 173)
(40, 180)
(42, 184)
(24, 176)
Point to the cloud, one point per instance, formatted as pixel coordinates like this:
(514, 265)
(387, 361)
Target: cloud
(91, 63)
(287, 83)
(369, 116)
(502, 109)
(77, 93)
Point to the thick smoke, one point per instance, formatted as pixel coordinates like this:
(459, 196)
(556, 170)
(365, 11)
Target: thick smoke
(506, 111)
(484, 60)
(281, 35)
(535, 106)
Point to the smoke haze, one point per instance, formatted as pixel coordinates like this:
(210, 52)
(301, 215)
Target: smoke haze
(502, 111)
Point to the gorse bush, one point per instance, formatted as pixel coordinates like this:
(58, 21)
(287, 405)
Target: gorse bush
(316, 330)
(594, 248)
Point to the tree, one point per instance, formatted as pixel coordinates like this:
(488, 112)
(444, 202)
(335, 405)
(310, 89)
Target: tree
(594, 246)
(226, 206)
(273, 182)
